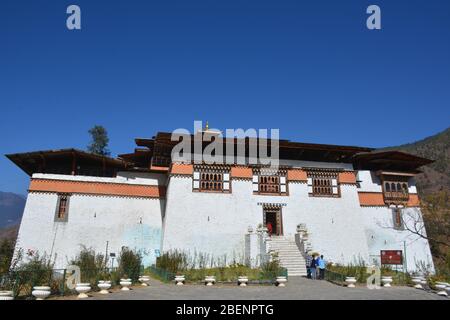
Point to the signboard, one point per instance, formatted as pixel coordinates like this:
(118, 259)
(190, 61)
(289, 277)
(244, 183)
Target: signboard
(391, 257)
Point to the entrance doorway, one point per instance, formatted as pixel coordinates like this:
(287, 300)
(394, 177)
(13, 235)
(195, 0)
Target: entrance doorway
(273, 221)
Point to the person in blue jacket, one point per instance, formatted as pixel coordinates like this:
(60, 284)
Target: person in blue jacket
(321, 264)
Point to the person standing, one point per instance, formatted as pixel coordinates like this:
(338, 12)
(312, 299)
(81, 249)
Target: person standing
(313, 267)
(322, 266)
(308, 264)
(269, 228)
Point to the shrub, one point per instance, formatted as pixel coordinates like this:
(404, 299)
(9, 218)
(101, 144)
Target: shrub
(6, 255)
(129, 264)
(173, 261)
(92, 266)
(37, 271)
(271, 269)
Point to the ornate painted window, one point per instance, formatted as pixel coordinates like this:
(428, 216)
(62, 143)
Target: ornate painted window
(213, 179)
(268, 181)
(323, 183)
(395, 190)
(62, 208)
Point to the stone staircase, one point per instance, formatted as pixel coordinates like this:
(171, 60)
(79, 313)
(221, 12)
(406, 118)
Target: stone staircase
(289, 255)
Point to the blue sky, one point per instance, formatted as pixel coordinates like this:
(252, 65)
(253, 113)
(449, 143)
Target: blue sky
(310, 68)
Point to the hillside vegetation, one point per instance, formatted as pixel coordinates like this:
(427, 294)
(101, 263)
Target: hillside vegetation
(436, 176)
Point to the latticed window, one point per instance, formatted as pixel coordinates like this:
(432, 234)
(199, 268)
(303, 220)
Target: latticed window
(266, 182)
(397, 218)
(62, 208)
(323, 183)
(269, 184)
(395, 191)
(211, 180)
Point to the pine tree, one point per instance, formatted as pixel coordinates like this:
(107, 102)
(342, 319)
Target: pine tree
(100, 140)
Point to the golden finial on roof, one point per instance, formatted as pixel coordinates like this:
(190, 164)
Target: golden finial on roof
(206, 126)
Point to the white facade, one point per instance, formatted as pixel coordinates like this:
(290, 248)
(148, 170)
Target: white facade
(103, 223)
(215, 223)
(381, 235)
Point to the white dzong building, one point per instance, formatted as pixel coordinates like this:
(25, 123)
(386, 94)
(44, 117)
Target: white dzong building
(348, 203)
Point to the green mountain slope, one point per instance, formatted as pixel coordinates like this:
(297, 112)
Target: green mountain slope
(436, 176)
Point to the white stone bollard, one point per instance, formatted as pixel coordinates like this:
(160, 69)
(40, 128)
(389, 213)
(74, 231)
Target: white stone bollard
(125, 283)
(242, 281)
(441, 288)
(6, 295)
(210, 280)
(41, 292)
(179, 280)
(144, 280)
(386, 280)
(83, 289)
(104, 286)
(280, 281)
(417, 282)
(350, 282)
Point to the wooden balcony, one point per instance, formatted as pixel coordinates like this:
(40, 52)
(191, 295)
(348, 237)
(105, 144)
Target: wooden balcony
(395, 197)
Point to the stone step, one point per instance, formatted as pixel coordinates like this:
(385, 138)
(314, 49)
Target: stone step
(289, 256)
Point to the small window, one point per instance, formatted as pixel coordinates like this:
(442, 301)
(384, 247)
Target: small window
(323, 184)
(268, 182)
(211, 181)
(397, 217)
(62, 208)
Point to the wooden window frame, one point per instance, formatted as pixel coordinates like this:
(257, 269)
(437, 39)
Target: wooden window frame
(63, 198)
(391, 194)
(262, 181)
(325, 180)
(397, 219)
(220, 179)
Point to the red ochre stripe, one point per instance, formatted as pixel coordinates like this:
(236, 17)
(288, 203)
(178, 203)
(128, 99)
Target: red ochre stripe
(97, 188)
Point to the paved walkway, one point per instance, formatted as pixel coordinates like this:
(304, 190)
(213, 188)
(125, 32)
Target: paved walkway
(296, 289)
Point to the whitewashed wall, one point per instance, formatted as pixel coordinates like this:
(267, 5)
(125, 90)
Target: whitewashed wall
(381, 235)
(92, 221)
(216, 223)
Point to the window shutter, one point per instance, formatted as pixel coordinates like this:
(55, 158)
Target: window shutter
(196, 175)
(255, 187)
(310, 189)
(310, 182)
(335, 190)
(255, 179)
(196, 184)
(282, 180)
(226, 186)
(334, 182)
(283, 188)
(226, 177)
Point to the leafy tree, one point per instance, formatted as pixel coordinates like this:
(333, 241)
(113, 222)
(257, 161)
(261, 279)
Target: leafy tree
(6, 255)
(100, 140)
